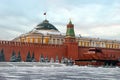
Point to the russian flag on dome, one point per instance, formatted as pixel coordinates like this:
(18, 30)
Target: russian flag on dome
(45, 13)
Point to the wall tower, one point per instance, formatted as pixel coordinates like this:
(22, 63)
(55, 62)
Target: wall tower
(70, 42)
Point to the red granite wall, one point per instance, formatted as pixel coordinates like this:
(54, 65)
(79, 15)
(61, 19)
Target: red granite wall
(107, 53)
(72, 50)
(67, 50)
(38, 49)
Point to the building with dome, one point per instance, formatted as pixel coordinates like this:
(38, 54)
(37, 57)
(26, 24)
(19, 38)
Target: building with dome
(46, 40)
(44, 33)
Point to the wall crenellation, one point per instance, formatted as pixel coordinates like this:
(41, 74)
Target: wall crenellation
(12, 43)
(50, 50)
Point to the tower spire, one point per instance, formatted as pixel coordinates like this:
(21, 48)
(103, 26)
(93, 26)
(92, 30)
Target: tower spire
(70, 30)
(70, 22)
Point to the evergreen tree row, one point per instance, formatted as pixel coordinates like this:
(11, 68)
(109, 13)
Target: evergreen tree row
(29, 58)
(15, 58)
(18, 58)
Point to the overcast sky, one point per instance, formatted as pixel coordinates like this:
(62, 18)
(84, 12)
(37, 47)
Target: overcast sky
(91, 18)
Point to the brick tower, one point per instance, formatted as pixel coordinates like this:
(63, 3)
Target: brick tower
(70, 42)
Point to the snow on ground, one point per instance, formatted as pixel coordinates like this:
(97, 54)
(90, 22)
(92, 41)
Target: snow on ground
(59, 73)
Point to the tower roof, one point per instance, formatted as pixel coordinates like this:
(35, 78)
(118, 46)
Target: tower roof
(70, 30)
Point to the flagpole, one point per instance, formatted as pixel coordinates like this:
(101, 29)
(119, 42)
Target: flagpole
(45, 15)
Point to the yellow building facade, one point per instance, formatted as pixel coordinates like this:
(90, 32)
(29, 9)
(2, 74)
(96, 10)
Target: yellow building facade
(94, 42)
(46, 33)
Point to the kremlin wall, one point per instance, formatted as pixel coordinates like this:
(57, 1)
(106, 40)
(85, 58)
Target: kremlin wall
(45, 39)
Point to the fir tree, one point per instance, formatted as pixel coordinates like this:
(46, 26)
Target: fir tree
(42, 58)
(33, 57)
(57, 60)
(19, 57)
(46, 59)
(2, 56)
(13, 57)
(2, 51)
(28, 57)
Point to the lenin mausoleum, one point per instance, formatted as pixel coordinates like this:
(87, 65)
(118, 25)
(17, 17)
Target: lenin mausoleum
(47, 41)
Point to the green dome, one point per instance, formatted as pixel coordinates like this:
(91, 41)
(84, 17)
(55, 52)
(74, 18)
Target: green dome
(45, 25)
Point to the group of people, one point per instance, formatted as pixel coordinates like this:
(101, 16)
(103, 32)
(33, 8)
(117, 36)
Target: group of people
(68, 62)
